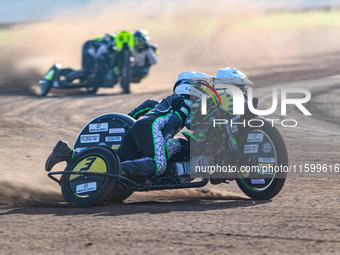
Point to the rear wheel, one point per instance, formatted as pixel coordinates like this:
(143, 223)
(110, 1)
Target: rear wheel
(117, 196)
(86, 190)
(92, 90)
(125, 71)
(266, 159)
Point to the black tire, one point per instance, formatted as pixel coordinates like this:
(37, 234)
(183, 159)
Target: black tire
(80, 190)
(118, 196)
(92, 90)
(273, 182)
(125, 71)
(46, 87)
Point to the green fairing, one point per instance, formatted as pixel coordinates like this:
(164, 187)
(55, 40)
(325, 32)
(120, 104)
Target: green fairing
(49, 75)
(122, 38)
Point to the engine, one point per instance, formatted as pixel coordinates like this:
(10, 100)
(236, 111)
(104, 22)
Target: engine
(180, 170)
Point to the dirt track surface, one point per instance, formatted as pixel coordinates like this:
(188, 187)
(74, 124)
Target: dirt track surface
(303, 218)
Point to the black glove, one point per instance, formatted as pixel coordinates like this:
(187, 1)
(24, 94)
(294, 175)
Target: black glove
(183, 142)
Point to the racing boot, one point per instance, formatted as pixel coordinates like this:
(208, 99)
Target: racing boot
(61, 152)
(136, 170)
(135, 175)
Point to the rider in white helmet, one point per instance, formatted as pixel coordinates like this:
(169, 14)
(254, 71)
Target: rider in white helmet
(153, 135)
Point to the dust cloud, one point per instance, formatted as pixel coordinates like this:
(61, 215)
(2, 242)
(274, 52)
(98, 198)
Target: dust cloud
(28, 195)
(189, 35)
(192, 194)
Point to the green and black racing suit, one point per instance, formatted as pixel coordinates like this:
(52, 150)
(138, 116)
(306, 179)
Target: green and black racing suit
(152, 136)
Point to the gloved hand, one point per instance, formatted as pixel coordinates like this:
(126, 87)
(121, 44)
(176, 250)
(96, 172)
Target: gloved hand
(183, 142)
(131, 115)
(187, 122)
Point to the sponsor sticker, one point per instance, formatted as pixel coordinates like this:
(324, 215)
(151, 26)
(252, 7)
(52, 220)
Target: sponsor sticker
(267, 147)
(267, 160)
(245, 173)
(255, 137)
(251, 148)
(257, 181)
(234, 128)
(80, 149)
(98, 127)
(113, 139)
(86, 187)
(115, 146)
(89, 138)
(116, 130)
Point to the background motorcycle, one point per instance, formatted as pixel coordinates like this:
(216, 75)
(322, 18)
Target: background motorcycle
(121, 60)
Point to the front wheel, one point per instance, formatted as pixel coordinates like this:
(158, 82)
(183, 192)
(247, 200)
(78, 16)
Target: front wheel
(265, 162)
(117, 196)
(125, 71)
(86, 190)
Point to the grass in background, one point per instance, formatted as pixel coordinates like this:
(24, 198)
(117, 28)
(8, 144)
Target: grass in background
(5, 37)
(307, 20)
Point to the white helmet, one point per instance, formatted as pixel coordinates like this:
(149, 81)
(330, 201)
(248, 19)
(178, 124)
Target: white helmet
(184, 81)
(228, 75)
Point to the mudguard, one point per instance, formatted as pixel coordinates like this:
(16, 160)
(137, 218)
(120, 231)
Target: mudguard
(107, 130)
(50, 77)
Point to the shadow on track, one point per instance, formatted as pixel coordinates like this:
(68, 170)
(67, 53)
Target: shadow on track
(150, 207)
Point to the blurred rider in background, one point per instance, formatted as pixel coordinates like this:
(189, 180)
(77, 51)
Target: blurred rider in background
(97, 52)
(144, 55)
(94, 54)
